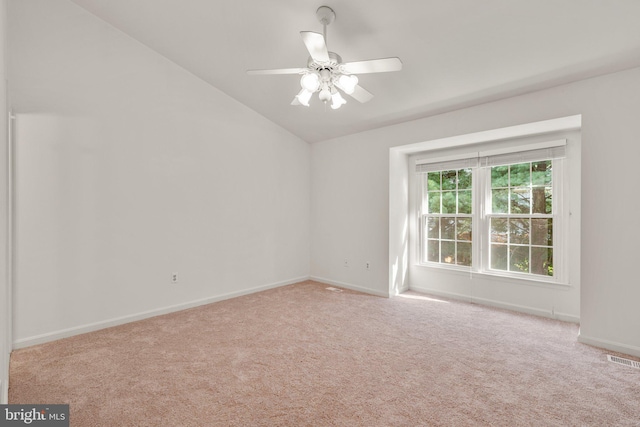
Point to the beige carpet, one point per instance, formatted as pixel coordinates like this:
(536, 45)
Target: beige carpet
(302, 355)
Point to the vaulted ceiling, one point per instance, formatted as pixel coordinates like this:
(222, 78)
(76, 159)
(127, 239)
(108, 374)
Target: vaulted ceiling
(455, 53)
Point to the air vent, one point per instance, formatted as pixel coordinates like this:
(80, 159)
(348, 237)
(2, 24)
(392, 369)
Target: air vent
(332, 289)
(622, 361)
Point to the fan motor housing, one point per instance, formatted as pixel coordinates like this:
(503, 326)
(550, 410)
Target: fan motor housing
(334, 61)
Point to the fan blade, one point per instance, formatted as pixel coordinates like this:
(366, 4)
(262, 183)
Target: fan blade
(361, 94)
(277, 71)
(316, 46)
(382, 65)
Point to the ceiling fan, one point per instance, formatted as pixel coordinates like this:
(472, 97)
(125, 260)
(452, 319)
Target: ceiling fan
(326, 73)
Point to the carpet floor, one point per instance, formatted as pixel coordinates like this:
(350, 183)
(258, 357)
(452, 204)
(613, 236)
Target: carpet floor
(303, 355)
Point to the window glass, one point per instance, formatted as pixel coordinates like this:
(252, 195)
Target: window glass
(448, 221)
(517, 220)
(523, 227)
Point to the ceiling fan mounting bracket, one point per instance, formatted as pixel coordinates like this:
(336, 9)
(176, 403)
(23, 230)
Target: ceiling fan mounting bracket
(325, 15)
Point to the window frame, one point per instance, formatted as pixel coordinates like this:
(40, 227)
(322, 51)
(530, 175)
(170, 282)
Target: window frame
(481, 216)
(423, 217)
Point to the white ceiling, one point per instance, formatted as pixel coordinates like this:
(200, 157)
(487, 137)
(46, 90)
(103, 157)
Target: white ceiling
(456, 53)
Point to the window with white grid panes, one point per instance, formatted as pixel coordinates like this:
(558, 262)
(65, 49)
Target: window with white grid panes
(495, 212)
(447, 220)
(521, 218)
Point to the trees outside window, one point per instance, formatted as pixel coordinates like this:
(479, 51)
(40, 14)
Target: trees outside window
(521, 218)
(448, 222)
(495, 216)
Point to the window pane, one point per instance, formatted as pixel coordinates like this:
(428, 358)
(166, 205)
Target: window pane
(519, 259)
(500, 201)
(448, 228)
(464, 179)
(541, 173)
(463, 229)
(433, 181)
(519, 231)
(433, 228)
(499, 230)
(464, 202)
(434, 202)
(464, 254)
(542, 261)
(449, 202)
(539, 198)
(449, 180)
(448, 254)
(542, 232)
(520, 200)
(548, 198)
(499, 176)
(520, 175)
(499, 257)
(433, 251)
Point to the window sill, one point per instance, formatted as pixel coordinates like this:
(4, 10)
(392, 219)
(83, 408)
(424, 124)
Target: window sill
(505, 278)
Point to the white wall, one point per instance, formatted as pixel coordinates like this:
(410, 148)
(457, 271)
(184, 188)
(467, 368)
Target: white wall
(350, 195)
(5, 306)
(129, 168)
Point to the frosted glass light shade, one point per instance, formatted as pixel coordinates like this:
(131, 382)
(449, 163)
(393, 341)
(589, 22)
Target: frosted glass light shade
(304, 96)
(337, 100)
(325, 95)
(348, 83)
(310, 82)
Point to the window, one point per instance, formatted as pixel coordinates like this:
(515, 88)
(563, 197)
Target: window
(521, 218)
(448, 220)
(494, 212)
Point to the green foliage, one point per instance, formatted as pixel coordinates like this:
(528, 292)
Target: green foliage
(522, 188)
(500, 201)
(434, 201)
(464, 179)
(465, 202)
(499, 176)
(448, 202)
(517, 244)
(433, 181)
(520, 175)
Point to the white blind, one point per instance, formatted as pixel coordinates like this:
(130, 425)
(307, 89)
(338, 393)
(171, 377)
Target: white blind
(512, 155)
(446, 163)
(530, 153)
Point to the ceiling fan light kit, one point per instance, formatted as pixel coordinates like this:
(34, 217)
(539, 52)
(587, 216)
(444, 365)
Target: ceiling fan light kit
(326, 73)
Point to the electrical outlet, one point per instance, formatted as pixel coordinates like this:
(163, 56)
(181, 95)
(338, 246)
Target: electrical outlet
(367, 265)
(174, 277)
(346, 263)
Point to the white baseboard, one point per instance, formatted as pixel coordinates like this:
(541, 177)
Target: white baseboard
(349, 286)
(65, 333)
(500, 304)
(609, 345)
